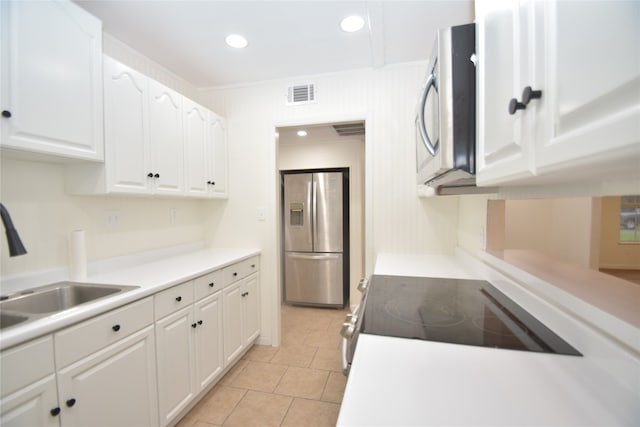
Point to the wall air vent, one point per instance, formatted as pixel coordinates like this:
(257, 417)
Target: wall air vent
(349, 129)
(301, 94)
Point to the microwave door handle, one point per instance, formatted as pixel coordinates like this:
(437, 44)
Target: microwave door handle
(431, 83)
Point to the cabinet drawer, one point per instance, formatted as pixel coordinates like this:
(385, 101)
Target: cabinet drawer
(173, 299)
(36, 355)
(87, 337)
(209, 284)
(241, 269)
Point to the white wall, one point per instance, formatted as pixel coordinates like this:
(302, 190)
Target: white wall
(396, 219)
(344, 153)
(45, 215)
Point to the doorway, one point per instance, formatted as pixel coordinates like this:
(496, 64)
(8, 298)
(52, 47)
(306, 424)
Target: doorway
(327, 146)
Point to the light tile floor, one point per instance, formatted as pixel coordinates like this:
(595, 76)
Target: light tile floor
(299, 383)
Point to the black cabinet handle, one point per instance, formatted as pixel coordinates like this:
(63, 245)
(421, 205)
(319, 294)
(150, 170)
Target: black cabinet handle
(178, 299)
(199, 322)
(528, 94)
(150, 175)
(213, 183)
(193, 325)
(116, 328)
(514, 106)
(211, 285)
(244, 294)
(209, 182)
(235, 274)
(156, 175)
(55, 411)
(71, 402)
(6, 114)
(253, 266)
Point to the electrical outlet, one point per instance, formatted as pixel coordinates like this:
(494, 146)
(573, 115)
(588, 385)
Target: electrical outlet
(112, 219)
(173, 215)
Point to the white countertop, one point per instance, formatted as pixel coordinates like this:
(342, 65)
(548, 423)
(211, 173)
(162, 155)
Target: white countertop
(150, 276)
(395, 381)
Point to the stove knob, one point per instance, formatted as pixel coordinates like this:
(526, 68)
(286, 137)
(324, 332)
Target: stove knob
(362, 286)
(347, 330)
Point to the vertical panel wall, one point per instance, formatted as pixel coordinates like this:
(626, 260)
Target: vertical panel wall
(396, 219)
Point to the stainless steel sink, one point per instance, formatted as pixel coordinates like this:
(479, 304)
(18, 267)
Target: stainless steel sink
(7, 319)
(39, 302)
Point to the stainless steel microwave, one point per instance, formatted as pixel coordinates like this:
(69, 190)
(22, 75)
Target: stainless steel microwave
(445, 122)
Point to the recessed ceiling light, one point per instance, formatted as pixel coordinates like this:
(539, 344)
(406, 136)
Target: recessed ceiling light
(236, 40)
(302, 133)
(352, 24)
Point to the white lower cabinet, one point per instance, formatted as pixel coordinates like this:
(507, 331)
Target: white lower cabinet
(189, 345)
(241, 316)
(104, 374)
(113, 387)
(141, 364)
(28, 396)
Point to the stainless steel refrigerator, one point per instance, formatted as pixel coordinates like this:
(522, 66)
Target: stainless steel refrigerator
(314, 258)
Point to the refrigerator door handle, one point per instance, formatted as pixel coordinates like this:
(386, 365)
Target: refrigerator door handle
(314, 257)
(314, 201)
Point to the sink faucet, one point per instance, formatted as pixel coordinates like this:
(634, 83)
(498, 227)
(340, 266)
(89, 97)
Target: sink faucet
(13, 239)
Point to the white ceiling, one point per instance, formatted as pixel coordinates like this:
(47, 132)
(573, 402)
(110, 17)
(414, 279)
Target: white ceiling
(286, 38)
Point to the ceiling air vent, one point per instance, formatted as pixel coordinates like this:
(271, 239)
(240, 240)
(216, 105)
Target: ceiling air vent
(301, 94)
(349, 129)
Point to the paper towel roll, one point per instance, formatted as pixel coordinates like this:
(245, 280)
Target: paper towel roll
(78, 256)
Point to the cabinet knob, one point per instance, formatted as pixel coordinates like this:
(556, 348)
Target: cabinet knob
(55, 411)
(71, 402)
(199, 322)
(6, 114)
(528, 94)
(150, 175)
(213, 183)
(514, 106)
(235, 274)
(253, 266)
(193, 325)
(209, 182)
(211, 285)
(156, 175)
(116, 328)
(178, 299)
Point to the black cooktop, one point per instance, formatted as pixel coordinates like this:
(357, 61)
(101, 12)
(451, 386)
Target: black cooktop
(459, 311)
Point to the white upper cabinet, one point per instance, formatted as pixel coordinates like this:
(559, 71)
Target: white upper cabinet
(166, 135)
(197, 152)
(156, 142)
(504, 67)
(218, 160)
(128, 159)
(592, 93)
(558, 91)
(51, 87)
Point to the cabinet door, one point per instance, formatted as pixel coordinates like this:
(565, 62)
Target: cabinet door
(593, 100)
(503, 70)
(115, 386)
(251, 308)
(218, 159)
(31, 406)
(52, 79)
(197, 152)
(126, 128)
(165, 125)
(175, 351)
(232, 302)
(209, 339)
